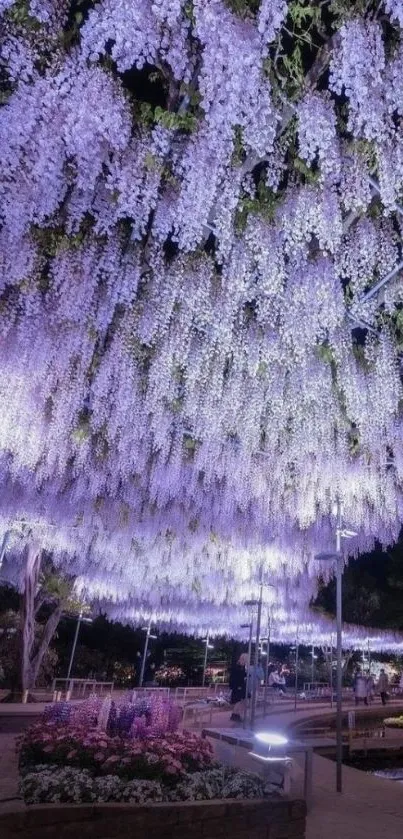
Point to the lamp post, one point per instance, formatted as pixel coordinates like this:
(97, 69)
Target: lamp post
(147, 630)
(341, 533)
(251, 605)
(73, 649)
(312, 665)
(314, 658)
(296, 673)
(267, 663)
(80, 619)
(256, 661)
(331, 671)
(207, 648)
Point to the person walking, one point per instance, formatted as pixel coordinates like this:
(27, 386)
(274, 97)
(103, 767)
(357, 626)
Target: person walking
(237, 683)
(383, 684)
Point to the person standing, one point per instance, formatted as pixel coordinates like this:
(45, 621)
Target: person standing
(383, 684)
(237, 683)
(360, 688)
(370, 686)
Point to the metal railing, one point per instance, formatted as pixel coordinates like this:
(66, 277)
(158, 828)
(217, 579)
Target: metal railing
(80, 688)
(137, 693)
(189, 694)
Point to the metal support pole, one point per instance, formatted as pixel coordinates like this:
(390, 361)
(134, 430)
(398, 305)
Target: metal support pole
(73, 651)
(268, 649)
(369, 657)
(296, 673)
(143, 663)
(331, 672)
(339, 732)
(254, 671)
(205, 660)
(245, 714)
(313, 666)
(266, 669)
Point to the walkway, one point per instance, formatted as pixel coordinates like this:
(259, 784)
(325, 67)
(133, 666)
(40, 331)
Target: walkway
(368, 808)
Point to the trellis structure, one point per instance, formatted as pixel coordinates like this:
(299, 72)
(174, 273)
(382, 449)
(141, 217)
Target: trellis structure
(200, 202)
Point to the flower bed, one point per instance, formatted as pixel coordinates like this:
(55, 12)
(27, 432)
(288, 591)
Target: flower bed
(51, 784)
(97, 753)
(165, 759)
(394, 722)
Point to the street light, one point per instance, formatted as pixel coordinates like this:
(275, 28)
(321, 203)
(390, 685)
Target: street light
(251, 604)
(314, 658)
(341, 533)
(296, 648)
(80, 620)
(254, 672)
(147, 630)
(207, 648)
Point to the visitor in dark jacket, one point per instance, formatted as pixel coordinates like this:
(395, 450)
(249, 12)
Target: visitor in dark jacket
(238, 680)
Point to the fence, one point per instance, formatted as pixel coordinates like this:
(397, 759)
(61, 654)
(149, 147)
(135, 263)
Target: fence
(317, 690)
(139, 692)
(80, 688)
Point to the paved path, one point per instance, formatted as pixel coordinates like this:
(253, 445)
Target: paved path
(368, 808)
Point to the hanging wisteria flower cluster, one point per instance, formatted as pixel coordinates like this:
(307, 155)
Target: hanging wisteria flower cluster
(198, 354)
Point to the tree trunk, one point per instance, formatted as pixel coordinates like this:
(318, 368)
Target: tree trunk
(32, 570)
(48, 633)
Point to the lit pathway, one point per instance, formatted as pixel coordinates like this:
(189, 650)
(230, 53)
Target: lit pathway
(369, 807)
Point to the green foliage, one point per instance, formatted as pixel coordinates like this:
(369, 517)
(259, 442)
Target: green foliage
(243, 8)
(308, 174)
(264, 204)
(238, 153)
(19, 14)
(304, 14)
(10, 653)
(57, 588)
(343, 10)
(297, 44)
(148, 115)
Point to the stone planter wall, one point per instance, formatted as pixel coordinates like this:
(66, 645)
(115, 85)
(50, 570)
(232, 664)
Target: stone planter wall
(279, 819)
(391, 731)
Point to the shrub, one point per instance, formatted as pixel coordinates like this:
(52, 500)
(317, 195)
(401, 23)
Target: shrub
(394, 722)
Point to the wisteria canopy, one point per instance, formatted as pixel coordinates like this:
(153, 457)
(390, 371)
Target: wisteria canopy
(201, 310)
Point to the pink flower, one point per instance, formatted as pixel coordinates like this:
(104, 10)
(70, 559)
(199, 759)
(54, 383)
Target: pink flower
(99, 756)
(48, 748)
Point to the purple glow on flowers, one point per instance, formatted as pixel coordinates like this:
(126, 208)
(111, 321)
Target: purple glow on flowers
(182, 394)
